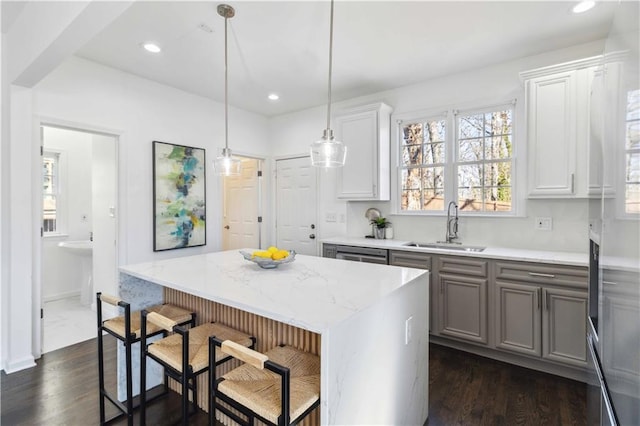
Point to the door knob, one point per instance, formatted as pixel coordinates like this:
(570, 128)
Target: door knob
(313, 226)
(226, 227)
(312, 236)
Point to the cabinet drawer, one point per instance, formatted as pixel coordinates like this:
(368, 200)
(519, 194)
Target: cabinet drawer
(463, 266)
(409, 259)
(571, 276)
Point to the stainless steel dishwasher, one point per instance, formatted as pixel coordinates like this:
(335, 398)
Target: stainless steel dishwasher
(363, 254)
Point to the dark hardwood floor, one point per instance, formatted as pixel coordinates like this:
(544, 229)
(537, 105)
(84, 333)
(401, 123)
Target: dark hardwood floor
(464, 389)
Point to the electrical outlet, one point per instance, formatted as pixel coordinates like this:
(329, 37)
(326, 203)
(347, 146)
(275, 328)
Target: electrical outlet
(544, 223)
(330, 217)
(408, 325)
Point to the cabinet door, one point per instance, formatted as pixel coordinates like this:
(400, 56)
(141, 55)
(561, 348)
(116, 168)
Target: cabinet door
(564, 325)
(551, 134)
(518, 314)
(366, 132)
(463, 307)
(359, 176)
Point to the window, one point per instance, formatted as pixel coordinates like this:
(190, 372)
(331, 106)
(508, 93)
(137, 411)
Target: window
(632, 153)
(472, 165)
(50, 192)
(422, 165)
(484, 151)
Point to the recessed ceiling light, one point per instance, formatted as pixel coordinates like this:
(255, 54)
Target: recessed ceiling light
(273, 96)
(583, 6)
(151, 47)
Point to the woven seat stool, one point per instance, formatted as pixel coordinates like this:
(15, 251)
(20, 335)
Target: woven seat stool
(127, 329)
(184, 355)
(279, 387)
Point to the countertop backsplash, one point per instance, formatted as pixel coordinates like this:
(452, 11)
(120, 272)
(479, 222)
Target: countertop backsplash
(569, 229)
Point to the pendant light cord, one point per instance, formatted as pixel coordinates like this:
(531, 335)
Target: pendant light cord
(330, 68)
(226, 90)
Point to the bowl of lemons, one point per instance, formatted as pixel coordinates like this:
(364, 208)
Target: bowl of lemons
(269, 258)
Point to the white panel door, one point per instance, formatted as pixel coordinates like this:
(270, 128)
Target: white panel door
(241, 208)
(296, 205)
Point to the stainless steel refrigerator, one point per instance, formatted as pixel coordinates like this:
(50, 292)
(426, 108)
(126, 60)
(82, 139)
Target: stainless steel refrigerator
(613, 336)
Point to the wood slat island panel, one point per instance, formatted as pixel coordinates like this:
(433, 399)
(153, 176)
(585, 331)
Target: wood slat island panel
(269, 333)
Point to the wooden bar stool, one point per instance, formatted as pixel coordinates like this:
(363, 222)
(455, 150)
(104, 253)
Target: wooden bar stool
(279, 387)
(184, 355)
(127, 329)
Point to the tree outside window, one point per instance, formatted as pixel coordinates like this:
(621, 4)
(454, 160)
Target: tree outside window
(632, 153)
(484, 159)
(422, 165)
(474, 168)
(50, 191)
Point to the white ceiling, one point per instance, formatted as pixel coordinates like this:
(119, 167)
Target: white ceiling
(282, 47)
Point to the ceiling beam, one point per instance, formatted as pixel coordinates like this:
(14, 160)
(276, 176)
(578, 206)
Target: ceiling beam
(46, 33)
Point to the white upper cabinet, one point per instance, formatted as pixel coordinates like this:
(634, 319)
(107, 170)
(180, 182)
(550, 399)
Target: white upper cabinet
(563, 143)
(366, 132)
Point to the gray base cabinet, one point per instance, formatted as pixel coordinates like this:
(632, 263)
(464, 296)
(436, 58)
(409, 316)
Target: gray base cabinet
(462, 302)
(518, 318)
(528, 313)
(463, 307)
(535, 317)
(564, 325)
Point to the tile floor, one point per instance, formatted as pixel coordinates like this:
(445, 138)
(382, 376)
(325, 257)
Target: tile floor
(67, 322)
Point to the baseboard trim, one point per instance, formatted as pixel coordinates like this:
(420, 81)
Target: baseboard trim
(59, 296)
(22, 364)
(573, 373)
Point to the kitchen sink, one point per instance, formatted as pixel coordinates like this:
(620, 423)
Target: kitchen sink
(446, 246)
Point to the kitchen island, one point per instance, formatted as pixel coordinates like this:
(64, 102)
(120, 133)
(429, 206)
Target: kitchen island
(367, 322)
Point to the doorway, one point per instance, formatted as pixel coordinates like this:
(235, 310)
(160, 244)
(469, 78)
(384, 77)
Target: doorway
(79, 231)
(296, 205)
(242, 205)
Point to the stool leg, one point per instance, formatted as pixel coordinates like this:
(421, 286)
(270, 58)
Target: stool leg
(194, 395)
(129, 384)
(143, 368)
(100, 359)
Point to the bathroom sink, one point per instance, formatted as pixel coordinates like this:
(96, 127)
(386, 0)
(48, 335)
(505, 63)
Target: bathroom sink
(80, 248)
(446, 246)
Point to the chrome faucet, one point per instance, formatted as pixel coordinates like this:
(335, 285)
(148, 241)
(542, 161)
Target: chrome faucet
(452, 223)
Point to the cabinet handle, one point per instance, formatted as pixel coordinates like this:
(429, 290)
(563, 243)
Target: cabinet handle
(547, 302)
(573, 181)
(441, 287)
(539, 295)
(538, 274)
(609, 283)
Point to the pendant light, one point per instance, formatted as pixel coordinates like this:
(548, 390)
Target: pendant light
(226, 164)
(328, 152)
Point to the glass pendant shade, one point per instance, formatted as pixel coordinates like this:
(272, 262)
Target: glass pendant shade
(227, 165)
(328, 152)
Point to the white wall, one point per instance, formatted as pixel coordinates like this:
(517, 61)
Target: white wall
(104, 184)
(61, 273)
(142, 111)
(292, 133)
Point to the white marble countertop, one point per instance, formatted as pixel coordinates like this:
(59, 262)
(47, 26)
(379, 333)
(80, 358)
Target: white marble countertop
(553, 257)
(313, 293)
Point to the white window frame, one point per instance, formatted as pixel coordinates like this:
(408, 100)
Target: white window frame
(451, 155)
(622, 204)
(455, 163)
(61, 196)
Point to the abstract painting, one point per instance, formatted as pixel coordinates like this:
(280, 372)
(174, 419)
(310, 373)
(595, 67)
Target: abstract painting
(179, 200)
